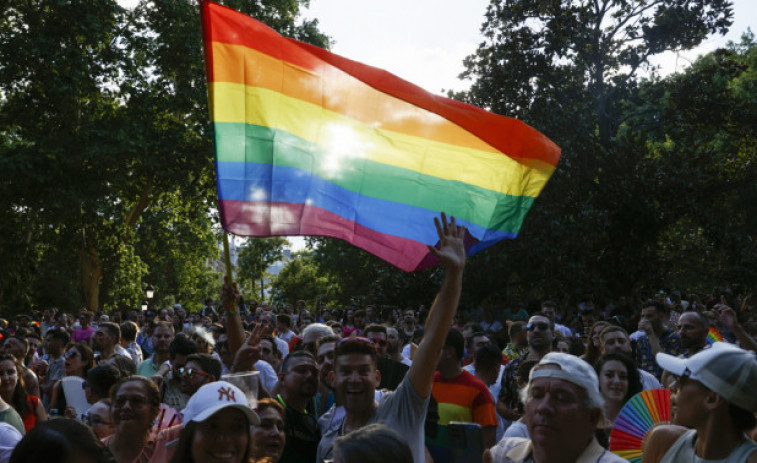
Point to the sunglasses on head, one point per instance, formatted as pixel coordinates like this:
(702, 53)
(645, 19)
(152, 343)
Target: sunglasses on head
(537, 326)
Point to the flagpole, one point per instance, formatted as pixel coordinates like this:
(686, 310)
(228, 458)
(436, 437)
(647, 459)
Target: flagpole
(227, 257)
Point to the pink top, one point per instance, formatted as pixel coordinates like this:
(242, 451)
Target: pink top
(83, 334)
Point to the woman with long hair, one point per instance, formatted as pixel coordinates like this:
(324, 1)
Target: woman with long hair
(619, 380)
(8, 414)
(269, 437)
(13, 393)
(592, 352)
(217, 422)
(79, 359)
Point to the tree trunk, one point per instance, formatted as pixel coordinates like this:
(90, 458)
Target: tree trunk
(91, 271)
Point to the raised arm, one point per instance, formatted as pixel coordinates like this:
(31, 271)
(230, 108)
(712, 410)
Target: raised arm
(451, 254)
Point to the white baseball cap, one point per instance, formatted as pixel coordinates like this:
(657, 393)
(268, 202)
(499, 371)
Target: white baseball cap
(573, 370)
(214, 397)
(724, 368)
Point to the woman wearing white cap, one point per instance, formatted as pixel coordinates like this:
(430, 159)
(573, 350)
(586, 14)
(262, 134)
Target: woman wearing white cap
(716, 400)
(216, 424)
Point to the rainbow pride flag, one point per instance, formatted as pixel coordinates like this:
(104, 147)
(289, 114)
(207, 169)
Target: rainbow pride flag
(310, 143)
(713, 335)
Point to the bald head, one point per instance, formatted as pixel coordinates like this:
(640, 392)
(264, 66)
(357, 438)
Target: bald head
(693, 328)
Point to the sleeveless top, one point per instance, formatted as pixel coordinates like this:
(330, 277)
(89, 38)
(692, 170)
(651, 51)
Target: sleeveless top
(30, 417)
(683, 451)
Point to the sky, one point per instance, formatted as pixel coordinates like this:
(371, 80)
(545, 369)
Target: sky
(427, 42)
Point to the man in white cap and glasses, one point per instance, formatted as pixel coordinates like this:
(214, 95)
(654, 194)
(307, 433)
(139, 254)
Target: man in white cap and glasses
(716, 401)
(563, 407)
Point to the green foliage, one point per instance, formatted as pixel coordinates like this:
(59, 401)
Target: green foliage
(605, 224)
(367, 278)
(108, 181)
(255, 256)
(301, 279)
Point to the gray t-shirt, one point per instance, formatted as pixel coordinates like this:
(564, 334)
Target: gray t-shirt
(402, 410)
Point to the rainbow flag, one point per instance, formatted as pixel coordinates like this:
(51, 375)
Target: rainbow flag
(310, 143)
(713, 335)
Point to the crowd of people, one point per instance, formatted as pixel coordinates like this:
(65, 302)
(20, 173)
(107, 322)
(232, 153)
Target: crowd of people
(373, 383)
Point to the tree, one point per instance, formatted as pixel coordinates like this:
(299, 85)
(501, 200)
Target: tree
(568, 68)
(539, 55)
(300, 279)
(103, 116)
(255, 256)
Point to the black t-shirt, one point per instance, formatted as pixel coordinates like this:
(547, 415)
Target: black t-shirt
(302, 435)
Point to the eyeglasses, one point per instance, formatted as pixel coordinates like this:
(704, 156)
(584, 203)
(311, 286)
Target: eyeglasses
(191, 372)
(72, 354)
(96, 421)
(537, 326)
(135, 401)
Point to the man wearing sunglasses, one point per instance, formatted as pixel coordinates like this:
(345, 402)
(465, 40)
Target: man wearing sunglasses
(199, 369)
(356, 377)
(539, 337)
(392, 372)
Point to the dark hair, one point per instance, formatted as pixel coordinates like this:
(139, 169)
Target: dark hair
(20, 339)
(349, 346)
(285, 319)
(524, 369)
(87, 356)
(374, 328)
(60, 335)
(488, 357)
(455, 340)
(591, 354)
(113, 330)
(743, 420)
(515, 328)
(375, 443)
(125, 365)
(472, 325)
(550, 304)
(60, 441)
(209, 364)
(163, 324)
(295, 354)
(182, 345)
(183, 453)
(153, 393)
(634, 378)
(101, 378)
(658, 306)
(19, 400)
(129, 331)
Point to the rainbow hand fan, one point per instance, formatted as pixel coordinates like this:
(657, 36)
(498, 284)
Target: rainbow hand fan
(714, 336)
(638, 416)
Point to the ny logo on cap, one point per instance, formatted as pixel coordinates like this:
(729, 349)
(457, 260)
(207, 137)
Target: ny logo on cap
(228, 392)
